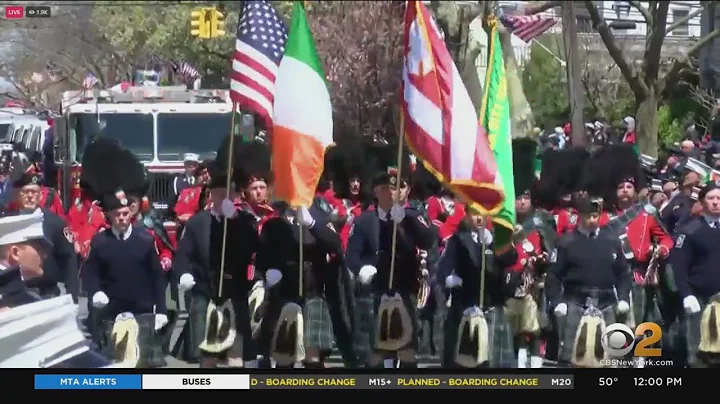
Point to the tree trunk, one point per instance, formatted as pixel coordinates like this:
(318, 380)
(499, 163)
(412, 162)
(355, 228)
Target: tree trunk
(647, 123)
(521, 116)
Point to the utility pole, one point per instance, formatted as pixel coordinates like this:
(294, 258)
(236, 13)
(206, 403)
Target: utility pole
(574, 74)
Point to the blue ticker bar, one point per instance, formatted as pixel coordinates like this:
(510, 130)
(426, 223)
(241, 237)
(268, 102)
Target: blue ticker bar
(88, 382)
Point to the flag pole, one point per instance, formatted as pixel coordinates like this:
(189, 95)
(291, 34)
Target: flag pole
(401, 144)
(228, 183)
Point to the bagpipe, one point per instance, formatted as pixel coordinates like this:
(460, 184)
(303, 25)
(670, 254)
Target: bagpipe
(522, 310)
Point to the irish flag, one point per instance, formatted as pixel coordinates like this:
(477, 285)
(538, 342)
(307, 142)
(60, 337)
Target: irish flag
(302, 124)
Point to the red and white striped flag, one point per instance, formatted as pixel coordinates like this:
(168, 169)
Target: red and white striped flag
(527, 27)
(90, 81)
(441, 123)
(260, 45)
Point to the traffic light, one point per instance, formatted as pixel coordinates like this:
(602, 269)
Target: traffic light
(200, 23)
(218, 24)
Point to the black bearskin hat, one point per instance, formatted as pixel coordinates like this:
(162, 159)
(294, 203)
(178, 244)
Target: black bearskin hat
(562, 174)
(350, 153)
(424, 184)
(112, 173)
(609, 167)
(250, 162)
(523, 165)
(332, 164)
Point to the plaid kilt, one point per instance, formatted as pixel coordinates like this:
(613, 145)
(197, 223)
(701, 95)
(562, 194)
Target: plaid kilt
(500, 338)
(644, 304)
(568, 326)
(363, 322)
(318, 327)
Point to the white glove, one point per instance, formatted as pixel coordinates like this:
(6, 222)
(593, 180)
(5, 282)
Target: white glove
(272, 277)
(366, 274)
(304, 217)
(623, 307)
(425, 273)
(228, 209)
(160, 321)
(397, 213)
(472, 311)
(259, 285)
(100, 300)
(487, 237)
(561, 309)
(187, 282)
(453, 281)
(691, 305)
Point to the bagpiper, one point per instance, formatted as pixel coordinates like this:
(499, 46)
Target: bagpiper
(219, 318)
(301, 320)
(122, 274)
(477, 332)
(589, 281)
(694, 261)
(560, 181)
(534, 241)
(369, 256)
(693, 174)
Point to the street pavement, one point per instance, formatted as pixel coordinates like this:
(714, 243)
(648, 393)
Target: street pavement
(335, 361)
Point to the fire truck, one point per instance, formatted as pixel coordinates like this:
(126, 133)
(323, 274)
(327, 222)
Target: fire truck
(157, 123)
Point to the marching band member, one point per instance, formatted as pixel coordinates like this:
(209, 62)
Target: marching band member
(60, 264)
(319, 305)
(535, 240)
(680, 205)
(188, 201)
(694, 261)
(186, 179)
(369, 256)
(561, 179)
(460, 269)
(582, 285)
(122, 274)
(23, 247)
(198, 260)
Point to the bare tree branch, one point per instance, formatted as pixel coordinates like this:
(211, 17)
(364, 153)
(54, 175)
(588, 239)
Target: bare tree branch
(642, 10)
(616, 52)
(536, 7)
(702, 42)
(655, 38)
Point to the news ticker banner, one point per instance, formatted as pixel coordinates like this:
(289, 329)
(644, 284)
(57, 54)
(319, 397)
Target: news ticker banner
(299, 381)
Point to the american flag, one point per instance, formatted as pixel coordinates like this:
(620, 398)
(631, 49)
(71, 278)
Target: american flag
(528, 27)
(260, 45)
(90, 81)
(187, 73)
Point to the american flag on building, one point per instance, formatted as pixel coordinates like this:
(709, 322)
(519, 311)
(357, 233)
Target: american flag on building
(260, 45)
(527, 27)
(90, 81)
(187, 73)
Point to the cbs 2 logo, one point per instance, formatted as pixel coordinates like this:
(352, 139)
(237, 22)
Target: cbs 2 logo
(618, 345)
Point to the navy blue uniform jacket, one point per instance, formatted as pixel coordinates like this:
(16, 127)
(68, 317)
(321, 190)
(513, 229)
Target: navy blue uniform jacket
(365, 248)
(128, 271)
(695, 259)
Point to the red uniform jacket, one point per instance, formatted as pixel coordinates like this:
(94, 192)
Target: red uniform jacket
(449, 227)
(604, 219)
(188, 200)
(346, 209)
(163, 251)
(565, 220)
(86, 219)
(55, 206)
(642, 231)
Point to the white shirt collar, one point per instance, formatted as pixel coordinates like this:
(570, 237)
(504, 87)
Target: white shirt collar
(587, 232)
(710, 220)
(125, 236)
(382, 213)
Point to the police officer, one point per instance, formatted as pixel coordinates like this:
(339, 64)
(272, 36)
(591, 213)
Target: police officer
(694, 261)
(681, 204)
(23, 247)
(186, 179)
(369, 254)
(590, 269)
(60, 265)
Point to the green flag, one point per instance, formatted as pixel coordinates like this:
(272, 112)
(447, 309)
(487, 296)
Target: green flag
(495, 118)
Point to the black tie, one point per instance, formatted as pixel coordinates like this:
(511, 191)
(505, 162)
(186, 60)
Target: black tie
(387, 217)
(592, 235)
(714, 225)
